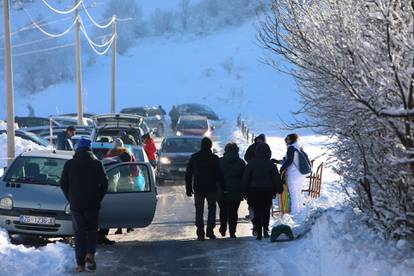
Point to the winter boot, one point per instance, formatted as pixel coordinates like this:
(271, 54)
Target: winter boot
(210, 235)
(266, 232)
(222, 231)
(80, 268)
(259, 234)
(233, 235)
(90, 262)
(200, 235)
(118, 231)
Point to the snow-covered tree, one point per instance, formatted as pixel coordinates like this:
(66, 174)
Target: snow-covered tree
(131, 27)
(163, 22)
(354, 63)
(40, 62)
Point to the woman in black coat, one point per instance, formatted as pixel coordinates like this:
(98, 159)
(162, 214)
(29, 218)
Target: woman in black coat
(261, 182)
(232, 167)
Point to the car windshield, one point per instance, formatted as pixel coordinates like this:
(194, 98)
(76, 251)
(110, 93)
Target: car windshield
(192, 124)
(185, 145)
(32, 122)
(136, 111)
(154, 112)
(128, 136)
(36, 170)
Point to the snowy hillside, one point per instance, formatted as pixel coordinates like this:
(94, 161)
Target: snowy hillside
(222, 69)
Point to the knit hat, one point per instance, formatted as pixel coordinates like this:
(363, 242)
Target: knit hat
(118, 143)
(261, 137)
(83, 143)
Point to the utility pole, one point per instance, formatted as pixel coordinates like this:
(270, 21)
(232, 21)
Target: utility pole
(9, 82)
(79, 68)
(113, 88)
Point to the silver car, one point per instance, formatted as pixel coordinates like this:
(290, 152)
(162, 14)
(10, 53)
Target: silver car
(32, 202)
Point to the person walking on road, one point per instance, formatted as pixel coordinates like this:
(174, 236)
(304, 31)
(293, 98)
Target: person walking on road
(84, 183)
(232, 167)
(251, 150)
(203, 179)
(64, 139)
(261, 182)
(150, 149)
(174, 115)
(291, 169)
(248, 156)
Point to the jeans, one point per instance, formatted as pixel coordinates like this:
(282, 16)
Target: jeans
(228, 214)
(199, 199)
(85, 226)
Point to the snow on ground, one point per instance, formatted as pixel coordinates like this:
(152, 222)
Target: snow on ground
(52, 259)
(337, 241)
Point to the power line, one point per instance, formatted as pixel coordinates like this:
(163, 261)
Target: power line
(46, 32)
(96, 23)
(60, 11)
(45, 50)
(83, 29)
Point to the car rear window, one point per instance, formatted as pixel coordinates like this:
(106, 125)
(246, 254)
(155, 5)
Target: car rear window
(36, 170)
(193, 124)
(128, 136)
(184, 145)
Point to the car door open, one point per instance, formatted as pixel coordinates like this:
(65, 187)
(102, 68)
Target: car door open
(131, 198)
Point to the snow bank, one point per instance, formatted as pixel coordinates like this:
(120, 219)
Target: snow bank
(21, 146)
(3, 125)
(53, 259)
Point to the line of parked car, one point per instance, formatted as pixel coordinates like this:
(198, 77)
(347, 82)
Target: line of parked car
(31, 201)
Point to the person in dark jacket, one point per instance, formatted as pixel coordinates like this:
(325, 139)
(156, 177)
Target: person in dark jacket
(84, 184)
(251, 150)
(261, 182)
(233, 168)
(64, 139)
(174, 115)
(203, 178)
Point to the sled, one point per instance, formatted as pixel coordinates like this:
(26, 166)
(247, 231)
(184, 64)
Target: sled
(281, 229)
(315, 183)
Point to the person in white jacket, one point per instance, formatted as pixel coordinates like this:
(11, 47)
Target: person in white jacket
(295, 178)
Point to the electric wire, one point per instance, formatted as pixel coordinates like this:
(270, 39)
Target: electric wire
(46, 32)
(96, 23)
(60, 11)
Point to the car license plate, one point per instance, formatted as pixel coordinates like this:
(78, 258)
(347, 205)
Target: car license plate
(182, 169)
(37, 220)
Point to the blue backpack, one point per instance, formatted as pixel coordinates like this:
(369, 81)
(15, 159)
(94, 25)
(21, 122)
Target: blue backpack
(304, 163)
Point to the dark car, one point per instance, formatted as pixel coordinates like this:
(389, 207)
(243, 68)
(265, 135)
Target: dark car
(194, 125)
(153, 116)
(81, 131)
(30, 122)
(173, 156)
(29, 136)
(197, 109)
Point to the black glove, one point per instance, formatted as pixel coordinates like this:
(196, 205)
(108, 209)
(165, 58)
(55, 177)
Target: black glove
(189, 193)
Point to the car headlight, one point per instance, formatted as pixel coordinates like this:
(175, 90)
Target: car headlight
(67, 209)
(165, 160)
(179, 133)
(6, 203)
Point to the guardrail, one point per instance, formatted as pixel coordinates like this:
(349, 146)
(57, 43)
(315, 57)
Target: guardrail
(246, 132)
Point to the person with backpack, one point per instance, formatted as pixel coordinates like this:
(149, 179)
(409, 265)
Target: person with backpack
(295, 168)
